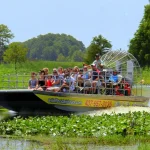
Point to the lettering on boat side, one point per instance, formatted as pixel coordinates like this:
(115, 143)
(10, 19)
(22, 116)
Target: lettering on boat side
(64, 101)
(98, 103)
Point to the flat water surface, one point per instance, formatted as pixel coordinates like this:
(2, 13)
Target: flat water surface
(10, 144)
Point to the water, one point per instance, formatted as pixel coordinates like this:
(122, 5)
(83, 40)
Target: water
(5, 114)
(11, 144)
(103, 147)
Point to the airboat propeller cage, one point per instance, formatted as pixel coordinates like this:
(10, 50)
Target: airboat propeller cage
(122, 61)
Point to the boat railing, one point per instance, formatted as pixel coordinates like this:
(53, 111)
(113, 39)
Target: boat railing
(14, 81)
(103, 86)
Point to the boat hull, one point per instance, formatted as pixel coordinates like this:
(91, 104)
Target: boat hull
(25, 102)
(85, 102)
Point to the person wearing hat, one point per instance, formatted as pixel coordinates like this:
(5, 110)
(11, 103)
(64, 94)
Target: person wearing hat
(98, 62)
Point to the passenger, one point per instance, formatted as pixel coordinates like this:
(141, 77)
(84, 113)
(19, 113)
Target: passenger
(97, 79)
(98, 62)
(83, 79)
(114, 78)
(56, 79)
(86, 73)
(77, 68)
(61, 74)
(41, 81)
(68, 83)
(80, 78)
(124, 87)
(75, 73)
(114, 84)
(33, 82)
(46, 70)
(70, 70)
(48, 82)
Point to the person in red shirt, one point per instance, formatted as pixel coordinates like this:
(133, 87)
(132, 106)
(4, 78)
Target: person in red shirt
(49, 81)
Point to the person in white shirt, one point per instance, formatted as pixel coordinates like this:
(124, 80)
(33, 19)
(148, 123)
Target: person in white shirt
(98, 62)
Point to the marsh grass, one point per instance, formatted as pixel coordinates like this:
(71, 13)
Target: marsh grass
(108, 142)
(146, 75)
(9, 78)
(42, 142)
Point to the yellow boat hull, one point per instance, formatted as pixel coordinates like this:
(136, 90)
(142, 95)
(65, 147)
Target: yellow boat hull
(90, 100)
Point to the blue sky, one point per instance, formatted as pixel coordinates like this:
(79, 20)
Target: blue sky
(116, 20)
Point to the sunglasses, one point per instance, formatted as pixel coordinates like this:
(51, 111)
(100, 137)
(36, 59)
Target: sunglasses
(54, 72)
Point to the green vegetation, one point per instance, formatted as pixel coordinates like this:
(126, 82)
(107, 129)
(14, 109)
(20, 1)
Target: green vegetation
(67, 132)
(16, 53)
(55, 47)
(5, 36)
(140, 44)
(146, 75)
(98, 45)
(84, 126)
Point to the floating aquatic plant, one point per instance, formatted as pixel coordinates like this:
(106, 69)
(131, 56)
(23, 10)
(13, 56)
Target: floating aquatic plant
(136, 123)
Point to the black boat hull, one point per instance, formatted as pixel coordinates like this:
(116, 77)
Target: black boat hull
(25, 101)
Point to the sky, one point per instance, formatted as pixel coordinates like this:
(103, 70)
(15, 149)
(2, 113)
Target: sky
(115, 20)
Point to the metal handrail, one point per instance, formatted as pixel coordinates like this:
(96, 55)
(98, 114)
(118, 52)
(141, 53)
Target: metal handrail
(13, 81)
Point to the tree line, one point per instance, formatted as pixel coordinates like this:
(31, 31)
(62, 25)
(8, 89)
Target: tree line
(62, 47)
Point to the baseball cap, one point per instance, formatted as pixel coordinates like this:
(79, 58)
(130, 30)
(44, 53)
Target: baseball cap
(93, 65)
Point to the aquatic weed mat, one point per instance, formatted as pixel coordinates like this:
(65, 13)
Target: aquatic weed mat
(84, 126)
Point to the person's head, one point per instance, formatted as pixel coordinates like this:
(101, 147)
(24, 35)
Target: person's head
(97, 56)
(70, 69)
(46, 70)
(85, 68)
(49, 76)
(42, 73)
(60, 70)
(93, 67)
(67, 73)
(33, 74)
(55, 73)
(75, 69)
(80, 71)
(115, 72)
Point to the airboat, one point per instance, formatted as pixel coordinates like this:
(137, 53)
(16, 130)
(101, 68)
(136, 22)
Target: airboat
(17, 99)
(128, 94)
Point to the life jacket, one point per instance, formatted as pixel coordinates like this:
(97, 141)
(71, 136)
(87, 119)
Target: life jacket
(126, 87)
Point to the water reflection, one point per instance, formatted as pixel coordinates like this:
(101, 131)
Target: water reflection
(10, 144)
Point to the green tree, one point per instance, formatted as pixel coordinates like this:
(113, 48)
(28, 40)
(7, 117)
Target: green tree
(49, 46)
(5, 36)
(61, 58)
(98, 45)
(140, 44)
(78, 56)
(16, 53)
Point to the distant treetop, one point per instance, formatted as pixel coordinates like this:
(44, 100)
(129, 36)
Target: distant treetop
(55, 47)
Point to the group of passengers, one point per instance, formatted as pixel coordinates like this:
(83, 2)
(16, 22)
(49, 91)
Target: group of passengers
(61, 80)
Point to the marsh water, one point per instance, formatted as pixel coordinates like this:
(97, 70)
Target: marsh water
(12, 144)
